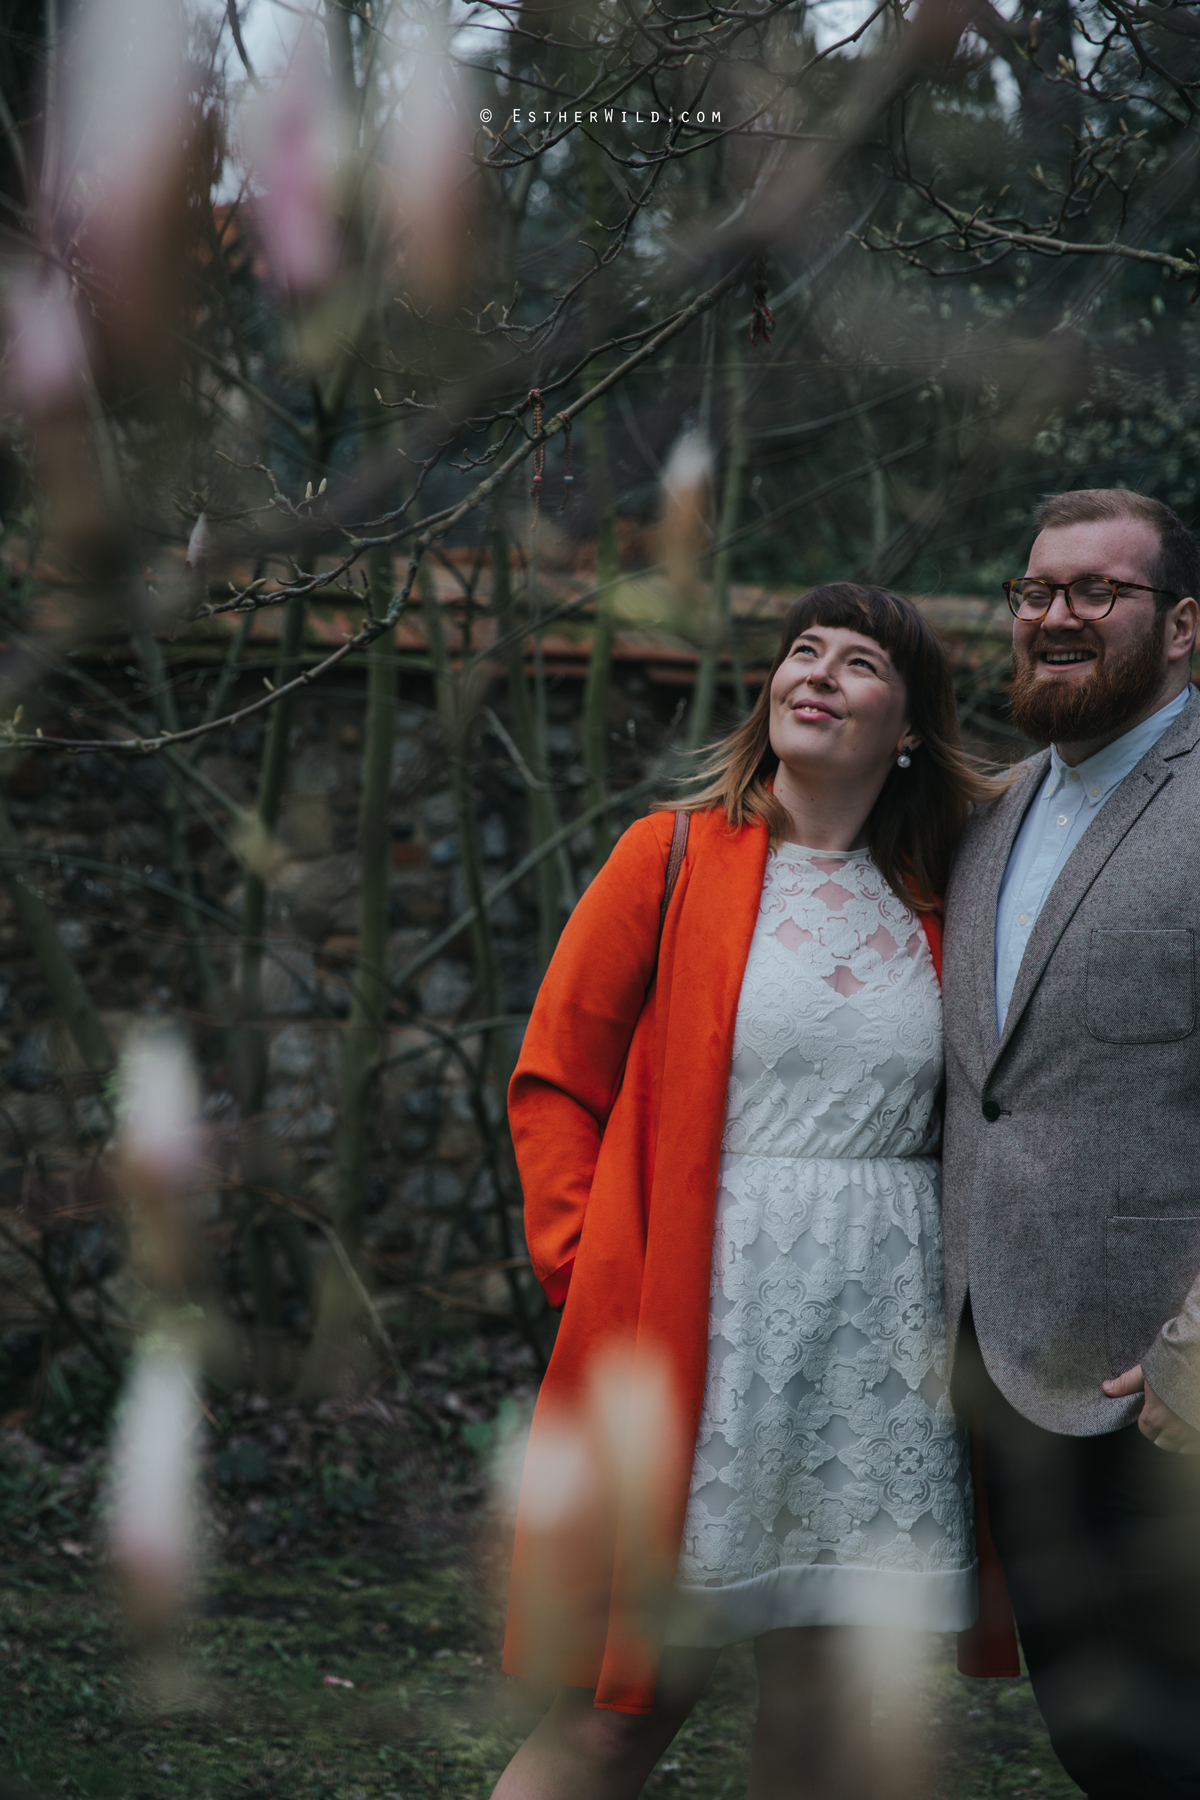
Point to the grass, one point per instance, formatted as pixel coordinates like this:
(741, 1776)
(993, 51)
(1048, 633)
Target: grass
(344, 1640)
(247, 1709)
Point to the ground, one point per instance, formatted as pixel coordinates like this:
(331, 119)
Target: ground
(343, 1642)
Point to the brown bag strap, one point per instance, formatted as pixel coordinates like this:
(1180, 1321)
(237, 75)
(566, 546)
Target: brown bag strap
(679, 841)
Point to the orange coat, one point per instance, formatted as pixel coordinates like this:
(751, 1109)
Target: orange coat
(620, 1194)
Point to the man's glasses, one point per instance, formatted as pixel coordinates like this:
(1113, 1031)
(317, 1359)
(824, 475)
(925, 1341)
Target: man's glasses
(1088, 596)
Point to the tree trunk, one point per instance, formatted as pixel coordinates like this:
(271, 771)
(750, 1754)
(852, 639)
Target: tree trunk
(554, 903)
(727, 524)
(175, 805)
(717, 623)
(457, 712)
(600, 496)
(263, 1218)
(369, 998)
(340, 1303)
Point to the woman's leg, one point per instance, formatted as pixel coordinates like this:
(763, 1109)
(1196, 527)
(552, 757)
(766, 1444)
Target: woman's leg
(901, 1740)
(584, 1752)
(812, 1738)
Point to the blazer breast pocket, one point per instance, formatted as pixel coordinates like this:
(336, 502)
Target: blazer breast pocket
(1149, 1265)
(1141, 986)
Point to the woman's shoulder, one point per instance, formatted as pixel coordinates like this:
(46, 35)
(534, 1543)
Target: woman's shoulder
(653, 828)
(652, 834)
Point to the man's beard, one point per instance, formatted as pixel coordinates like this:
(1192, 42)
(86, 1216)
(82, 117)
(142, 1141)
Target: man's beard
(1069, 712)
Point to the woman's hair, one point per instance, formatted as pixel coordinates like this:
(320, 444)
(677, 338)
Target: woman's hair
(916, 822)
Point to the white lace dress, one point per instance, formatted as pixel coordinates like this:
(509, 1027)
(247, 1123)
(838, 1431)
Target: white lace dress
(830, 1485)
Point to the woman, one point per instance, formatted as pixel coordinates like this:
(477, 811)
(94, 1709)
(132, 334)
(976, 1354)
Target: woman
(726, 1139)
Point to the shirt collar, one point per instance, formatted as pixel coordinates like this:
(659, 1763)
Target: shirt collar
(1100, 774)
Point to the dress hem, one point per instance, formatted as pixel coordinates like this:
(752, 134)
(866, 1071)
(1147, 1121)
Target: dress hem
(708, 1618)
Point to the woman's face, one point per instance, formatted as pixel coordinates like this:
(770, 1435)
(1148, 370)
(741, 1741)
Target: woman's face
(839, 707)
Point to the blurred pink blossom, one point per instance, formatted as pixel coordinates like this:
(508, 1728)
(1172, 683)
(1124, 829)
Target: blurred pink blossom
(46, 357)
(615, 1454)
(159, 1133)
(135, 145)
(687, 504)
(293, 145)
(151, 1529)
(426, 169)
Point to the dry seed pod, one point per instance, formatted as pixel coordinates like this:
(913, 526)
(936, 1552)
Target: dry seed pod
(198, 543)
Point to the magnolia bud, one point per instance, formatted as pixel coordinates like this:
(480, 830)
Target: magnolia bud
(197, 550)
(686, 484)
(159, 1104)
(153, 1475)
(292, 135)
(159, 1146)
(47, 358)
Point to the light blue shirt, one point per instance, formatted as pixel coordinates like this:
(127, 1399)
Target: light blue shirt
(1066, 803)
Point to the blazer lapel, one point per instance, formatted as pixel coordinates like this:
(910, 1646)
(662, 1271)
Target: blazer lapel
(994, 850)
(1117, 816)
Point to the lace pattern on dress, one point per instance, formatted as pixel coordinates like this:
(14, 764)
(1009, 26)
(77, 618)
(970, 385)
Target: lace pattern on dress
(826, 1436)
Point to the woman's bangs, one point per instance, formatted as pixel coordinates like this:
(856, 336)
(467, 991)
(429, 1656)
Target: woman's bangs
(894, 624)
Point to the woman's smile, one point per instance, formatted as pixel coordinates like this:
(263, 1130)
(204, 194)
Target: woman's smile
(807, 708)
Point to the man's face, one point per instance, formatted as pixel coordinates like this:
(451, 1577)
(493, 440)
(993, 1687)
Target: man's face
(1075, 680)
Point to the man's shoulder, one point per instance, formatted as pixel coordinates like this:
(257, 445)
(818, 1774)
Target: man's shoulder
(1030, 768)
(1016, 793)
(1181, 738)
(977, 848)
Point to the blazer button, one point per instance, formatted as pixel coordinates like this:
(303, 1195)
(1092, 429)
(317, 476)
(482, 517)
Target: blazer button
(991, 1111)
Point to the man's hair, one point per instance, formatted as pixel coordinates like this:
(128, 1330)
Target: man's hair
(1176, 566)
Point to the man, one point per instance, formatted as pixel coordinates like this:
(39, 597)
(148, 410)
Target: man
(1072, 1153)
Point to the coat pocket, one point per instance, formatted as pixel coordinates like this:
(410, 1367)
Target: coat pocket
(1149, 1265)
(1141, 986)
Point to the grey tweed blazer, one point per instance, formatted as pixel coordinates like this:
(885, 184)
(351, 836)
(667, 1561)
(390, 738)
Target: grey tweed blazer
(1072, 1146)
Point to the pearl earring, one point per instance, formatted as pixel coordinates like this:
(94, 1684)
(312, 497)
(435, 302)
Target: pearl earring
(904, 760)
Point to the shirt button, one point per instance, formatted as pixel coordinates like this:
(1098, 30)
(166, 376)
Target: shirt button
(1074, 774)
(1062, 818)
(1095, 793)
(1022, 918)
(991, 1111)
